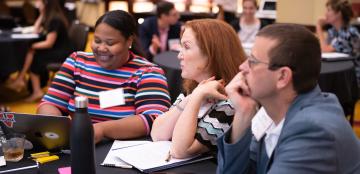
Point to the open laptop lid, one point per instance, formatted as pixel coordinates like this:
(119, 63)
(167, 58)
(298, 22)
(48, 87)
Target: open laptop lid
(50, 132)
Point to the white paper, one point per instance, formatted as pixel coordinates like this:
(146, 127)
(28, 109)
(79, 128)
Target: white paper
(25, 36)
(24, 30)
(111, 98)
(2, 161)
(118, 144)
(334, 55)
(260, 123)
(112, 160)
(148, 156)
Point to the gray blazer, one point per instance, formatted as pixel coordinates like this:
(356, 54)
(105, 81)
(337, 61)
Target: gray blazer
(315, 138)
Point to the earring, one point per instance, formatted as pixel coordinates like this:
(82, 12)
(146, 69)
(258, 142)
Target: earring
(130, 46)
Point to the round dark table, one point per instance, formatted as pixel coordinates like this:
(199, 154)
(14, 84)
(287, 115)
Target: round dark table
(13, 53)
(101, 150)
(339, 77)
(336, 77)
(169, 62)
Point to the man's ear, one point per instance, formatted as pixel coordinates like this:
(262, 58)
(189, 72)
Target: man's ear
(285, 77)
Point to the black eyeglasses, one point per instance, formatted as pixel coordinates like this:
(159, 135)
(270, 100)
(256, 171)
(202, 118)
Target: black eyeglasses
(252, 61)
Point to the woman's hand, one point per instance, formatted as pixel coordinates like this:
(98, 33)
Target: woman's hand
(210, 89)
(321, 22)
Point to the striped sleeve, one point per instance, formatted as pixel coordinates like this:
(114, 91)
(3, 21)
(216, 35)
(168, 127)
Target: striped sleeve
(62, 86)
(152, 97)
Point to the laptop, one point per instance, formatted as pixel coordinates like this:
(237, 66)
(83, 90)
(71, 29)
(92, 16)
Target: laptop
(46, 131)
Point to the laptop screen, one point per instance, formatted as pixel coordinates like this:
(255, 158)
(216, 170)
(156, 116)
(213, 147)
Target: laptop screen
(50, 132)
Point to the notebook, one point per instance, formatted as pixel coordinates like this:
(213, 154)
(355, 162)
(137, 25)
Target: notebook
(153, 156)
(49, 132)
(112, 161)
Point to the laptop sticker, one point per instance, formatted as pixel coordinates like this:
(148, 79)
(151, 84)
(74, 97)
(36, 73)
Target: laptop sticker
(51, 135)
(8, 119)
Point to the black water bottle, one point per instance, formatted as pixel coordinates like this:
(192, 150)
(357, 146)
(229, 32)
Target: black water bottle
(82, 139)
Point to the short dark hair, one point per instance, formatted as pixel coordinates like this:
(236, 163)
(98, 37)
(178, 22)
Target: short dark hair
(53, 10)
(342, 6)
(164, 7)
(297, 48)
(126, 24)
(120, 20)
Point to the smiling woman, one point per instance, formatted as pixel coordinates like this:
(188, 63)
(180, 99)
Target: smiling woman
(111, 70)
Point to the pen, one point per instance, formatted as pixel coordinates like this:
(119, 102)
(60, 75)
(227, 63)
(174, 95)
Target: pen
(20, 168)
(168, 157)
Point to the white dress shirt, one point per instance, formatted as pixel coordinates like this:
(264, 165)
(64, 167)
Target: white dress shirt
(262, 124)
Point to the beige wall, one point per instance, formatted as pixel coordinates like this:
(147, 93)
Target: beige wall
(88, 13)
(304, 12)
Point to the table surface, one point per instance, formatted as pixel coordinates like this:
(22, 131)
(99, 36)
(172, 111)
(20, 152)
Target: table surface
(169, 59)
(5, 36)
(13, 52)
(205, 167)
(337, 77)
(336, 66)
(169, 62)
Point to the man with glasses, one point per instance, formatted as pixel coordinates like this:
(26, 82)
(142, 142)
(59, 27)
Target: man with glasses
(298, 129)
(157, 31)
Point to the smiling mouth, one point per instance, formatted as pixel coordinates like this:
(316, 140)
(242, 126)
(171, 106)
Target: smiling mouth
(104, 58)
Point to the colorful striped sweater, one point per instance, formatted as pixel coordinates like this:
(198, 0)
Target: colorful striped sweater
(145, 88)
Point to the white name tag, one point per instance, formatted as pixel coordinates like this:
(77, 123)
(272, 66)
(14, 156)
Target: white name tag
(111, 98)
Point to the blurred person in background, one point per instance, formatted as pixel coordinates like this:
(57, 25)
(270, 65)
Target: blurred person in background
(156, 31)
(248, 25)
(341, 36)
(53, 24)
(227, 10)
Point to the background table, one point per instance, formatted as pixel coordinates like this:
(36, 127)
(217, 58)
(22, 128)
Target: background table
(337, 77)
(169, 62)
(204, 167)
(13, 53)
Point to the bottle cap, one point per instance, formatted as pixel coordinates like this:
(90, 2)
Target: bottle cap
(81, 102)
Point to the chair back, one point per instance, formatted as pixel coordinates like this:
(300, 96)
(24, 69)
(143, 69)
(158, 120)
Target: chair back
(78, 34)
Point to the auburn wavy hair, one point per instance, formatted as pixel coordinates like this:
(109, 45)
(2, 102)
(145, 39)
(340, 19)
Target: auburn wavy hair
(218, 41)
